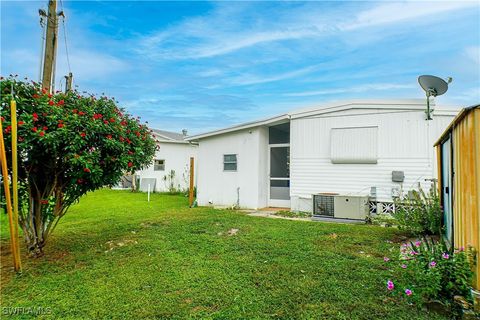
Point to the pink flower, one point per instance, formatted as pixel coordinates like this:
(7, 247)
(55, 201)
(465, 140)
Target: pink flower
(386, 259)
(433, 264)
(445, 255)
(404, 266)
(418, 243)
(390, 285)
(408, 292)
(413, 253)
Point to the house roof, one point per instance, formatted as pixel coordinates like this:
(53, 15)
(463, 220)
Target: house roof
(169, 136)
(455, 121)
(398, 104)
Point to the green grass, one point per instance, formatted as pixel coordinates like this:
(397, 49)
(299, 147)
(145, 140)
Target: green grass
(181, 263)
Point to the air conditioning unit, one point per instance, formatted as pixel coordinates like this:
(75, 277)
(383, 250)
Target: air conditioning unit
(340, 206)
(323, 204)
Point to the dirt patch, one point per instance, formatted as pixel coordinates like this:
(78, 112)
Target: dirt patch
(111, 245)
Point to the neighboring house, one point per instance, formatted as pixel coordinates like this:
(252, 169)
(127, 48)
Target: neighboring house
(458, 151)
(174, 155)
(350, 148)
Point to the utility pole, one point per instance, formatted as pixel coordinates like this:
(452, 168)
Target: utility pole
(48, 77)
(68, 80)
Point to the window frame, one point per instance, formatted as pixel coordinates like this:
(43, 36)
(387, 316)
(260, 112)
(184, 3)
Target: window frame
(154, 165)
(230, 162)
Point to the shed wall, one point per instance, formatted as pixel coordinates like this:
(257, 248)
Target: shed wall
(466, 182)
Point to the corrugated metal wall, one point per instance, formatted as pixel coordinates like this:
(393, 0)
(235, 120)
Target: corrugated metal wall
(466, 181)
(405, 142)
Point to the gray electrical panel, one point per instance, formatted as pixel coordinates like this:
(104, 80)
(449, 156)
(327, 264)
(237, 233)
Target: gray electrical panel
(398, 176)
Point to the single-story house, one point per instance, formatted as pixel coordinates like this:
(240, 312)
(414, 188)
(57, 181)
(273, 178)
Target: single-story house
(458, 150)
(171, 165)
(376, 148)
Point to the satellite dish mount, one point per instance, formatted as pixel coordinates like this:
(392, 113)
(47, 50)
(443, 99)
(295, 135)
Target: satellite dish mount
(433, 86)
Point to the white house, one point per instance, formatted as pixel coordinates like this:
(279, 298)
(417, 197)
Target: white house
(372, 148)
(173, 156)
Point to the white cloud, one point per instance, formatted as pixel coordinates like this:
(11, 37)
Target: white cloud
(388, 13)
(219, 34)
(255, 79)
(355, 89)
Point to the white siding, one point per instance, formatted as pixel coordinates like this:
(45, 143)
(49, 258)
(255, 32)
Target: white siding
(218, 187)
(405, 143)
(177, 157)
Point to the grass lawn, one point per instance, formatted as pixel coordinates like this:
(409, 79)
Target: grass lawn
(115, 256)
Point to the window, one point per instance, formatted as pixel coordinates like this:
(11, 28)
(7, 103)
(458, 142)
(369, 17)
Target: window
(159, 165)
(354, 145)
(229, 162)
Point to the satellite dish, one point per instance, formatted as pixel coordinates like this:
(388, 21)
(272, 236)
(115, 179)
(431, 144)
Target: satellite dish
(433, 86)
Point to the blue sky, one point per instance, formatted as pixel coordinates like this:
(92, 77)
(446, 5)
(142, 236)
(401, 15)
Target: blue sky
(206, 65)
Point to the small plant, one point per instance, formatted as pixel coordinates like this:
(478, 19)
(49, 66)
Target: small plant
(169, 180)
(430, 272)
(419, 213)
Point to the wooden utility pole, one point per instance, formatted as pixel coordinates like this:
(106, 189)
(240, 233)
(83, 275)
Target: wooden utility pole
(48, 76)
(190, 190)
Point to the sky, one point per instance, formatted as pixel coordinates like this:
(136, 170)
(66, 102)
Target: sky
(207, 65)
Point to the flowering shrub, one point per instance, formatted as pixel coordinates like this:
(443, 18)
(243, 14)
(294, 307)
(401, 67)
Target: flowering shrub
(428, 271)
(68, 144)
(419, 213)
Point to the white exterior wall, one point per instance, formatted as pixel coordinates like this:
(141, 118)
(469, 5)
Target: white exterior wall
(405, 143)
(177, 157)
(218, 187)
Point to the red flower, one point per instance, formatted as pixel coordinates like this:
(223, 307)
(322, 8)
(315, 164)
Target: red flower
(130, 152)
(81, 113)
(60, 125)
(51, 102)
(112, 120)
(122, 139)
(105, 121)
(74, 110)
(45, 128)
(109, 136)
(3, 119)
(44, 91)
(60, 103)
(35, 116)
(123, 123)
(128, 141)
(97, 116)
(42, 133)
(34, 129)
(36, 96)
(20, 139)
(82, 134)
(130, 164)
(20, 123)
(86, 170)
(79, 181)
(44, 201)
(49, 95)
(8, 129)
